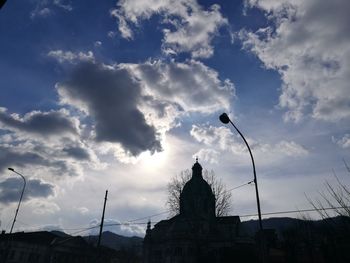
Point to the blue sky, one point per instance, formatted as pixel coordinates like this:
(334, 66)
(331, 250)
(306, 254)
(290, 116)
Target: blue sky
(122, 95)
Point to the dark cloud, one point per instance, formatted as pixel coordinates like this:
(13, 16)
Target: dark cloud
(77, 153)
(42, 123)
(11, 188)
(9, 157)
(111, 97)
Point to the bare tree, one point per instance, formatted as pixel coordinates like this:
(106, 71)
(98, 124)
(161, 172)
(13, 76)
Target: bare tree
(334, 198)
(222, 196)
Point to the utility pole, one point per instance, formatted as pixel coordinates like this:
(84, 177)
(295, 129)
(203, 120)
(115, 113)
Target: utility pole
(103, 217)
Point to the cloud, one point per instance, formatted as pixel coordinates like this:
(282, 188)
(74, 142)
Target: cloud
(110, 96)
(120, 228)
(187, 26)
(344, 142)
(39, 123)
(43, 207)
(207, 155)
(15, 157)
(148, 99)
(124, 109)
(40, 12)
(98, 43)
(71, 57)
(222, 139)
(83, 210)
(11, 188)
(77, 152)
(191, 85)
(66, 5)
(45, 8)
(308, 44)
(290, 148)
(58, 155)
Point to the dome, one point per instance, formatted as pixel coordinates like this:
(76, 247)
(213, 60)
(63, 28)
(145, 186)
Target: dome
(197, 198)
(197, 169)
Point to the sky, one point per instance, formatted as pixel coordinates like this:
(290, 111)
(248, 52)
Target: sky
(124, 95)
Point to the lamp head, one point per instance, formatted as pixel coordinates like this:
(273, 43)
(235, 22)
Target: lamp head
(224, 118)
(11, 169)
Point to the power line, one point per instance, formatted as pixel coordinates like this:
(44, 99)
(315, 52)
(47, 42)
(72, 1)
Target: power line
(229, 190)
(296, 211)
(150, 216)
(132, 221)
(277, 212)
(247, 215)
(250, 215)
(128, 222)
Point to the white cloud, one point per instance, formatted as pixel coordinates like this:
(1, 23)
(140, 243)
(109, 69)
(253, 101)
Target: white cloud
(40, 12)
(207, 155)
(270, 5)
(98, 43)
(43, 207)
(309, 46)
(83, 210)
(45, 8)
(344, 142)
(291, 148)
(222, 139)
(66, 5)
(71, 57)
(191, 85)
(187, 26)
(111, 34)
(123, 27)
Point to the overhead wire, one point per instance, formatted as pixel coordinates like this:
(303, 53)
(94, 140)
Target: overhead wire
(128, 222)
(239, 186)
(246, 215)
(295, 211)
(133, 221)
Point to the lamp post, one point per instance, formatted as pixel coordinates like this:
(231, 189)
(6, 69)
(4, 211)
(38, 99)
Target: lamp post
(20, 199)
(225, 119)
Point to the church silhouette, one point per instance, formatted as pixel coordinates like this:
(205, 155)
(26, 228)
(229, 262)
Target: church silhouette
(196, 234)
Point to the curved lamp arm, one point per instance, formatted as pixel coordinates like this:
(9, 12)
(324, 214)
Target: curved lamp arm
(225, 119)
(20, 199)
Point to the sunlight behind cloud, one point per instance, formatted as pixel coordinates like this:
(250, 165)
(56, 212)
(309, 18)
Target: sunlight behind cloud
(150, 162)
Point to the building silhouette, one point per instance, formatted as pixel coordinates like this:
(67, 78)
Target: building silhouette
(51, 247)
(196, 234)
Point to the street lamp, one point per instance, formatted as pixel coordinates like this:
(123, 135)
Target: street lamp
(225, 119)
(2, 2)
(20, 199)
